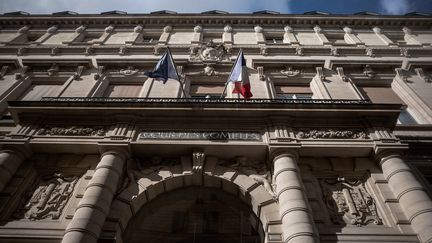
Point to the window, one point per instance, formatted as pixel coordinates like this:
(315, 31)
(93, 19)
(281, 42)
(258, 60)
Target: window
(123, 90)
(273, 39)
(284, 91)
(148, 38)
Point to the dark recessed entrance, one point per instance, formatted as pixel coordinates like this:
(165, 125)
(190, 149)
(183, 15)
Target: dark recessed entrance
(195, 215)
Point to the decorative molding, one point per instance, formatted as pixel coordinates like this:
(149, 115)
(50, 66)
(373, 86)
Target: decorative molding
(48, 199)
(21, 51)
(78, 73)
(341, 74)
(198, 159)
(100, 72)
(299, 51)
(208, 70)
(290, 72)
(331, 133)
(71, 131)
(54, 69)
(55, 51)
(138, 29)
(320, 73)
(109, 29)
(405, 52)
(123, 50)
(334, 51)
(209, 52)
(23, 73)
(370, 52)
(261, 74)
(89, 51)
(402, 74)
(368, 71)
(129, 71)
(348, 202)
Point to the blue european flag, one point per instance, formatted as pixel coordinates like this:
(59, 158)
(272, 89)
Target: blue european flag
(165, 68)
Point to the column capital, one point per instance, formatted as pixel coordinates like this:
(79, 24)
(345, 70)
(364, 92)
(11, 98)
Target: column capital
(120, 151)
(381, 155)
(284, 152)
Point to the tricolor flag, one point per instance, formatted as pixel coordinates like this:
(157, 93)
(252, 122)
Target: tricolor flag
(240, 77)
(164, 69)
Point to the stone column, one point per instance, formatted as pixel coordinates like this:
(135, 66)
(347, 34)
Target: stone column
(10, 160)
(296, 215)
(412, 197)
(89, 218)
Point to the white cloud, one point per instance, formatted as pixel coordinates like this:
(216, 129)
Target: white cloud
(395, 6)
(142, 6)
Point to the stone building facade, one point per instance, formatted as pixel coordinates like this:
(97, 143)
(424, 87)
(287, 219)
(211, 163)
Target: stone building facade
(334, 146)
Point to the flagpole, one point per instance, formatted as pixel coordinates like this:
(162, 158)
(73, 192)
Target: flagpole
(175, 67)
(226, 83)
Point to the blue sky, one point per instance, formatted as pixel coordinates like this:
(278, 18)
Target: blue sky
(233, 6)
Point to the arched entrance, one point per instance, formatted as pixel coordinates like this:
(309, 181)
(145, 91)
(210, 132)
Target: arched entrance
(195, 214)
(198, 202)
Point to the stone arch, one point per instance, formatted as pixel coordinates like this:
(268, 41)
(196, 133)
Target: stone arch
(164, 179)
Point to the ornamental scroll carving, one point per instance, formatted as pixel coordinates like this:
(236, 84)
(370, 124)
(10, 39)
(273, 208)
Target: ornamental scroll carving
(72, 131)
(48, 199)
(209, 52)
(332, 134)
(256, 171)
(349, 202)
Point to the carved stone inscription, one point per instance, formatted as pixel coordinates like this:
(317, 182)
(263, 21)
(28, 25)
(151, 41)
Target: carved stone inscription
(200, 135)
(348, 202)
(48, 199)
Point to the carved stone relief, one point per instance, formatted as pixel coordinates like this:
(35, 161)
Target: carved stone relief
(290, 72)
(329, 133)
(129, 71)
(209, 52)
(256, 171)
(349, 202)
(72, 131)
(48, 199)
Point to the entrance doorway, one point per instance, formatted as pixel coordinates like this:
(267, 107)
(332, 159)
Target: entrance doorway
(195, 215)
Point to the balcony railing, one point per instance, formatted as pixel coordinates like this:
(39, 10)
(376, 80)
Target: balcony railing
(202, 100)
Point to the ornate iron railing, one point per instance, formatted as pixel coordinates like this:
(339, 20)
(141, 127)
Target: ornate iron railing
(203, 100)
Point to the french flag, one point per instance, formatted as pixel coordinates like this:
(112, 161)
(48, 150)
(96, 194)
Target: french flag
(240, 77)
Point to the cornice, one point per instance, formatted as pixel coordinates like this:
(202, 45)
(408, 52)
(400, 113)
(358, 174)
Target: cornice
(216, 20)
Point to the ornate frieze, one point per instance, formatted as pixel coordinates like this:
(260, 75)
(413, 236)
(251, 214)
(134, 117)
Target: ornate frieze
(48, 199)
(349, 202)
(129, 71)
(331, 133)
(71, 131)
